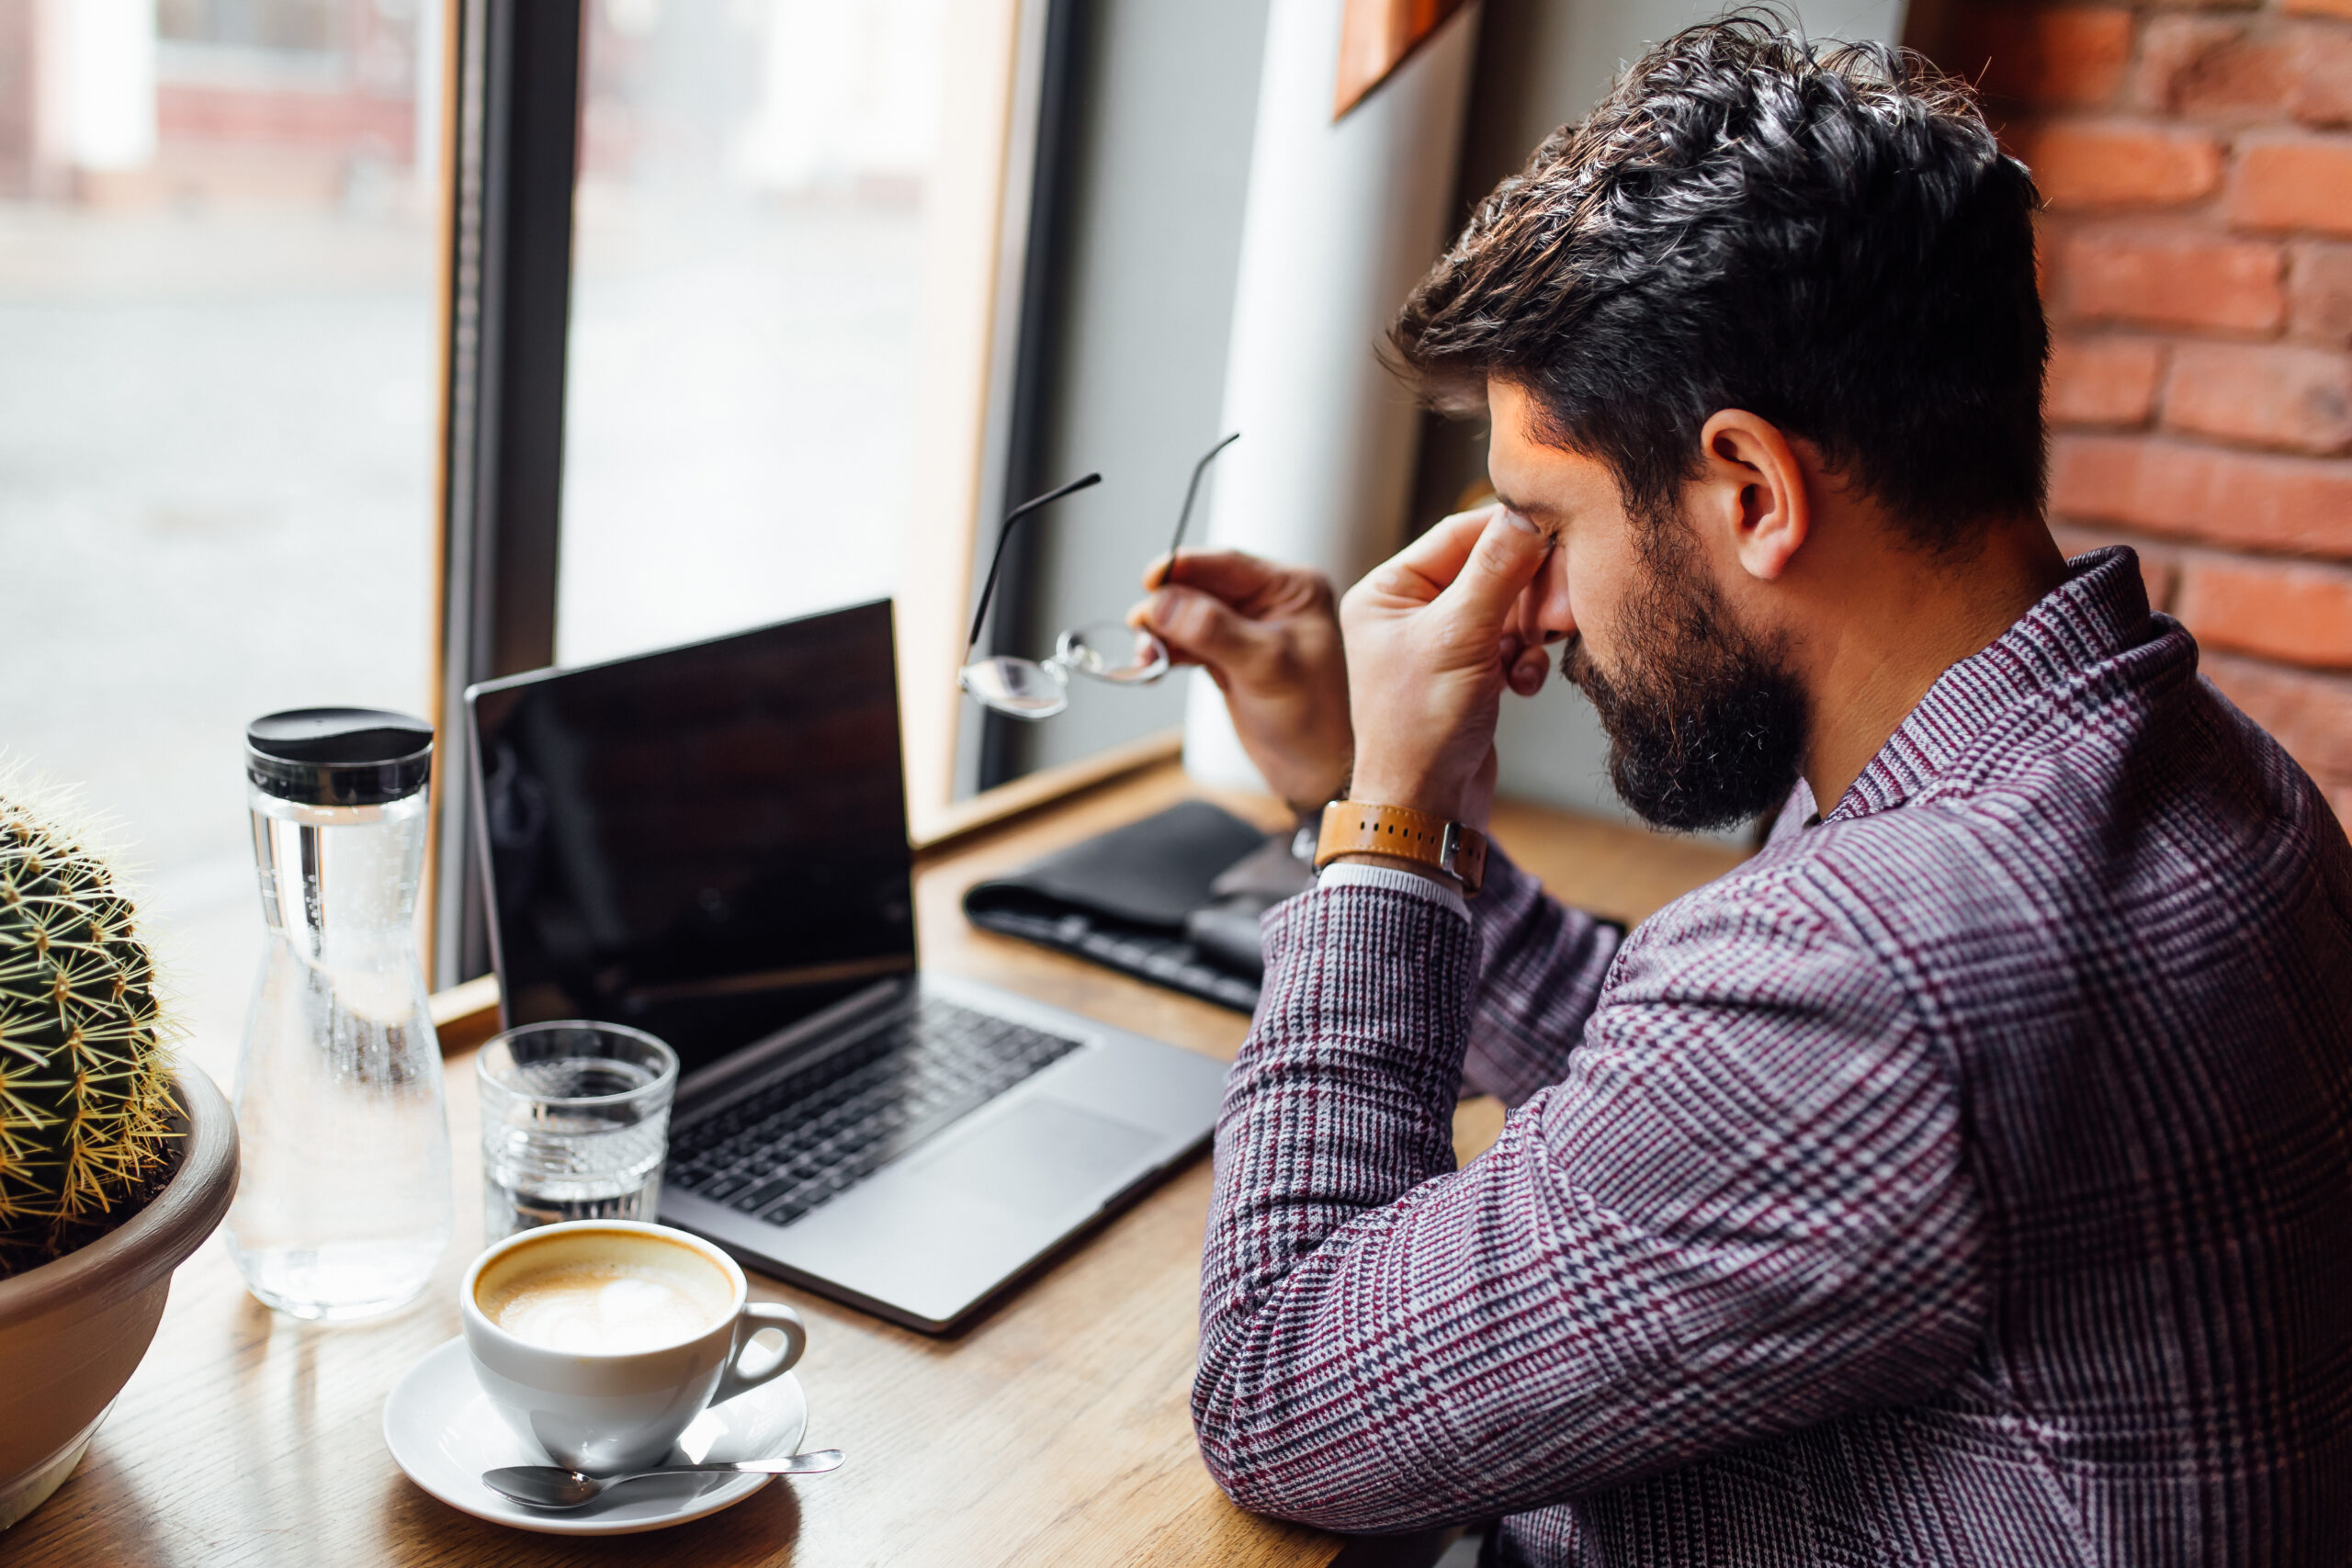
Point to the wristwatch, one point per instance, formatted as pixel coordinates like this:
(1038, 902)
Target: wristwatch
(1355, 826)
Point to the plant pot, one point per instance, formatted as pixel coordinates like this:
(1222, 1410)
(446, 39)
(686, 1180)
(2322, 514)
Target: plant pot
(71, 1332)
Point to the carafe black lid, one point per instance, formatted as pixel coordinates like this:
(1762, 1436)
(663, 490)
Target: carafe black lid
(339, 756)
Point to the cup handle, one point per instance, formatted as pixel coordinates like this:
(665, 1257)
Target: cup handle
(758, 1315)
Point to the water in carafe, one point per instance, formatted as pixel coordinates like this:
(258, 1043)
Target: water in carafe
(344, 1206)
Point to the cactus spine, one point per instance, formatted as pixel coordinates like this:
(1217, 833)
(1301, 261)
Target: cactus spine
(85, 1064)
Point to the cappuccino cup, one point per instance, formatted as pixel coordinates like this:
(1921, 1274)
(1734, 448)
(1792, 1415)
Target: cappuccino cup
(601, 1340)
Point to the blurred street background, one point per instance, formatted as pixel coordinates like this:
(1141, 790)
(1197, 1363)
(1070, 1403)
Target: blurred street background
(218, 222)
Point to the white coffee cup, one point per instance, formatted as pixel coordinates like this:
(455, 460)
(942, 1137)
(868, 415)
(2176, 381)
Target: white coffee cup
(606, 1410)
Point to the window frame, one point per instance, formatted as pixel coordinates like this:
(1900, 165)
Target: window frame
(510, 140)
(510, 154)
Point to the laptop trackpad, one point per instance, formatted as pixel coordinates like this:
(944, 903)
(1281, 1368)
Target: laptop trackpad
(1041, 1157)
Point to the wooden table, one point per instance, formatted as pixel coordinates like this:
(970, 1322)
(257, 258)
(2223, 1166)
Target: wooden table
(1056, 1430)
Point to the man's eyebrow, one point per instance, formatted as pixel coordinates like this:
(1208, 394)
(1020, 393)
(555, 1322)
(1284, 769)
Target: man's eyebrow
(1534, 512)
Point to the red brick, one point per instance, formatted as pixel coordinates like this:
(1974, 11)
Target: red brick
(2203, 65)
(2298, 183)
(2294, 612)
(2179, 280)
(2071, 57)
(2156, 561)
(2103, 380)
(2080, 163)
(2319, 292)
(2322, 68)
(2302, 504)
(2269, 395)
(2308, 714)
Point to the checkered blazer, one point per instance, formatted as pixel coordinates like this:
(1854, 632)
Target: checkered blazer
(1966, 1179)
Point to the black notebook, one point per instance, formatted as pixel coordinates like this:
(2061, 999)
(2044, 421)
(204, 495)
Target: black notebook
(1173, 899)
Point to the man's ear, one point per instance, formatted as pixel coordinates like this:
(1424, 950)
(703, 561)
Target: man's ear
(1753, 491)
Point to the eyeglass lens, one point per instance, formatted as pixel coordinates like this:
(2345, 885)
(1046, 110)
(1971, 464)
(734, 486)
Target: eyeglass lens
(1109, 651)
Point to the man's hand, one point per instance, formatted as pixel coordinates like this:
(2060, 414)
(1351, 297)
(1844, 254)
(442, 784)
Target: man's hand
(1433, 637)
(1269, 636)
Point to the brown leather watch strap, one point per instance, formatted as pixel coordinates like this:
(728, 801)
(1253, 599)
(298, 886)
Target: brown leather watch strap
(1359, 828)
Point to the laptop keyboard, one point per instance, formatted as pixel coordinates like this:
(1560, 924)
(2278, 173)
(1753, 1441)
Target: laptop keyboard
(792, 1144)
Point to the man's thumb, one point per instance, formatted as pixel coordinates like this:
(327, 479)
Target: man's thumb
(1502, 563)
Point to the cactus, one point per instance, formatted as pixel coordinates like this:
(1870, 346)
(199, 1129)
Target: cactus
(85, 1057)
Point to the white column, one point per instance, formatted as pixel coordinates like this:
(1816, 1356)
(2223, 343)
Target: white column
(1342, 219)
(108, 109)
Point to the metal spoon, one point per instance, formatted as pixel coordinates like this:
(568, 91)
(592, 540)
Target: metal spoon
(552, 1486)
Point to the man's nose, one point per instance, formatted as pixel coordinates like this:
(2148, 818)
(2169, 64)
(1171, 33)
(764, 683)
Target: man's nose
(1545, 615)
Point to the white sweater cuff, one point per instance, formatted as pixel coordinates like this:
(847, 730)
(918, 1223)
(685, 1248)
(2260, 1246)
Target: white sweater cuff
(1388, 876)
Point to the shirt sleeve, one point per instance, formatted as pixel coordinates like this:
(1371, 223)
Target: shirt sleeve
(1539, 966)
(1744, 1212)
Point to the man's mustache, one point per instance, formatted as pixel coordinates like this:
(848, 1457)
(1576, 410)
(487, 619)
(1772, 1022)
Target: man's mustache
(1575, 663)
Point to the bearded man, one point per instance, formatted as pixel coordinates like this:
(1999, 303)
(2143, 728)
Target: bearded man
(1967, 1177)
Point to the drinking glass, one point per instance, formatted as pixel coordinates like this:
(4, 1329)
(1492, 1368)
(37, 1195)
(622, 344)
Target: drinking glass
(1109, 651)
(575, 1125)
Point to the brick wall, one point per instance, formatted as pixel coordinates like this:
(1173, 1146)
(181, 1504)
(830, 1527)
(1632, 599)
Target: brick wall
(2196, 262)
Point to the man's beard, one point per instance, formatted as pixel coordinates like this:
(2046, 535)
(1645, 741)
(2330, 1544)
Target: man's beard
(1706, 725)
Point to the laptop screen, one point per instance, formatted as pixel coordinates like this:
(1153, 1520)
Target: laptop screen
(708, 842)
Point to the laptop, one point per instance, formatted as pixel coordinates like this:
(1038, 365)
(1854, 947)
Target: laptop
(709, 843)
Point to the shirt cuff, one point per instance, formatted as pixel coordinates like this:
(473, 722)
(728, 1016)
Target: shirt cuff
(1412, 884)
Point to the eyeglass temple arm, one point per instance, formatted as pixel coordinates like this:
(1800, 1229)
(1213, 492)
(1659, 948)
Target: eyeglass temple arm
(1192, 491)
(1003, 535)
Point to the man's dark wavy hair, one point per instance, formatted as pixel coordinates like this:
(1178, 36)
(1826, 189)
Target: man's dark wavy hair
(1828, 237)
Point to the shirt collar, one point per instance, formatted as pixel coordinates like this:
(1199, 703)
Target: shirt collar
(2099, 611)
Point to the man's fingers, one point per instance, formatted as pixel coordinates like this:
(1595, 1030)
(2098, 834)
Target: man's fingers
(1231, 575)
(1501, 565)
(1471, 570)
(1528, 672)
(1422, 570)
(1198, 627)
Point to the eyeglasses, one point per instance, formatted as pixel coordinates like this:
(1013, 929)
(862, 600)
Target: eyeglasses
(1109, 651)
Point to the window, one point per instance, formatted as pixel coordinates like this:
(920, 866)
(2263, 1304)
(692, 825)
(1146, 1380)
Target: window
(217, 422)
(291, 29)
(221, 247)
(725, 285)
(748, 268)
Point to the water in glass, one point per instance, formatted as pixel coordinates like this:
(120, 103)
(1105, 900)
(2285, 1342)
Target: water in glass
(575, 1125)
(543, 1164)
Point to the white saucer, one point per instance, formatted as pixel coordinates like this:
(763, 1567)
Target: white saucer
(443, 1430)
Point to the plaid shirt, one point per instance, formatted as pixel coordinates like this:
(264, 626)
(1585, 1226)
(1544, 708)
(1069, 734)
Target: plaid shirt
(1966, 1179)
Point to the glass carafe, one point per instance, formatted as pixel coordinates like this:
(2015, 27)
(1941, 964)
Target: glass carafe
(344, 1206)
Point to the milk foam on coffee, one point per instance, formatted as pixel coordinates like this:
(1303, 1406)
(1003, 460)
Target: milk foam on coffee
(608, 1305)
